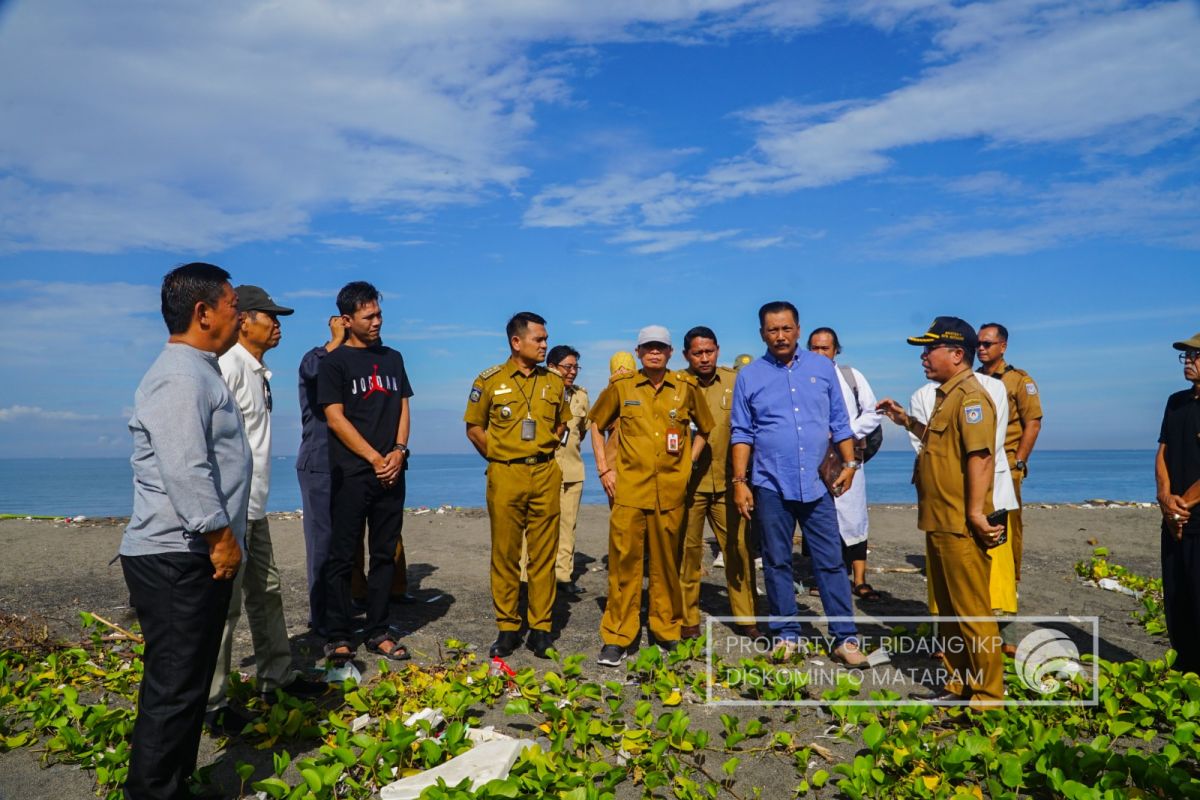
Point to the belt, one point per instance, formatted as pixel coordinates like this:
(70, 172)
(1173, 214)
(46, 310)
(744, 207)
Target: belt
(540, 458)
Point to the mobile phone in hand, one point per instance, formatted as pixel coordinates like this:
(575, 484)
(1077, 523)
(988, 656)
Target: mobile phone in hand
(999, 518)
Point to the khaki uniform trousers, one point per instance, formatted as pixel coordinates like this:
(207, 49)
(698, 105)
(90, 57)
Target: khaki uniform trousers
(523, 505)
(258, 578)
(959, 580)
(723, 517)
(568, 516)
(631, 532)
(1016, 528)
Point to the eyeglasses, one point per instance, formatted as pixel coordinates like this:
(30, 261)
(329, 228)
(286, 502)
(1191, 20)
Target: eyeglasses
(985, 345)
(929, 348)
(569, 367)
(1190, 355)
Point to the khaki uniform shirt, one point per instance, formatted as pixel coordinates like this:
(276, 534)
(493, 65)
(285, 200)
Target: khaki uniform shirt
(963, 421)
(570, 459)
(710, 472)
(1024, 404)
(647, 475)
(501, 397)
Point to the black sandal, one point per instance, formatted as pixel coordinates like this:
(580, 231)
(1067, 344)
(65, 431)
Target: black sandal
(335, 658)
(864, 591)
(398, 652)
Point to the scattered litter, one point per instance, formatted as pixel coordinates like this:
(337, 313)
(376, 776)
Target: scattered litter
(1113, 586)
(358, 723)
(433, 716)
(420, 511)
(901, 570)
(345, 672)
(488, 734)
(878, 657)
(80, 518)
(435, 598)
(485, 762)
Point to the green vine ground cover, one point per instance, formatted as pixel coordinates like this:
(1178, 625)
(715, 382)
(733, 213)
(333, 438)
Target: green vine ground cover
(642, 734)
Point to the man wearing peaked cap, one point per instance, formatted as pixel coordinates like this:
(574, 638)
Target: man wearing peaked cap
(648, 482)
(1176, 471)
(954, 498)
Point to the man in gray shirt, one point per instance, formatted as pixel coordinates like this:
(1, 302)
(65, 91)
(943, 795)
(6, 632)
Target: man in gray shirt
(182, 548)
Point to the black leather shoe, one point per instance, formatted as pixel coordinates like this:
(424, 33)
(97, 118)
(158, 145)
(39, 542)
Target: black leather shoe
(504, 645)
(539, 642)
(571, 588)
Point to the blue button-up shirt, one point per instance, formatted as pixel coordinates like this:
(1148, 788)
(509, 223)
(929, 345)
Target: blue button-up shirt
(789, 413)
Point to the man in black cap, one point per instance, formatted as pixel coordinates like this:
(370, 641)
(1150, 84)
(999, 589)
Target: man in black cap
(1176, 471)
(954, 498)
(248, 378)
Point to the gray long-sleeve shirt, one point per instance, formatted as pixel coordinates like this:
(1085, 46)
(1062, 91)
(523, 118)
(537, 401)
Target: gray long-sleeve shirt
(191, 461)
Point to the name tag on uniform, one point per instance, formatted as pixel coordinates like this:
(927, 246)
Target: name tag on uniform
(633, 402)
(500, 391)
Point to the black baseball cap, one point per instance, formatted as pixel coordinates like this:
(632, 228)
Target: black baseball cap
(253, 298)
(950, 331)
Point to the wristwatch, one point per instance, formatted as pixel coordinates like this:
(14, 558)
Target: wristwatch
(403, 448)
(854, 465)
(1021, 465)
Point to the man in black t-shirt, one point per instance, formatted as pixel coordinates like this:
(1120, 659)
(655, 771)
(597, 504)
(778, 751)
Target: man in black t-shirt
(1177, 469)
(364, 390)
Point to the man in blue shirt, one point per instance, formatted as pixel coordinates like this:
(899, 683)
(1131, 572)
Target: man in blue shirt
(787, 408)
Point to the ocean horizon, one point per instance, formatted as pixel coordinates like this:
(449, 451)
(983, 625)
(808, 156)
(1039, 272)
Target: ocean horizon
(102, 487)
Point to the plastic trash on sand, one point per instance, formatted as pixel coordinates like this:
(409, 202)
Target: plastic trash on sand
(878, 657)
(484, 762)
(1113, 586)
(340, 674)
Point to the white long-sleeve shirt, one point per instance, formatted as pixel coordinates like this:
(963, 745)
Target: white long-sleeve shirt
(920, 407)
(247, 379)
(852, 506)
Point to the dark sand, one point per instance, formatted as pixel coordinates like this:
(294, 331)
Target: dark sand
(56, 569)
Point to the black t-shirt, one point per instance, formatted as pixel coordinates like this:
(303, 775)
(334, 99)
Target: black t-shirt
(369, 382)
(1181, 434)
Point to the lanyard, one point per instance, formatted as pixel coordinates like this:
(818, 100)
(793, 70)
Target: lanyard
(529, 397)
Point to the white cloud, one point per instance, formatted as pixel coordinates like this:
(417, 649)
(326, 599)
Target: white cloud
(193, 126)
(662, 241)
(302, 294)
(37, 413)
(760, 243)
(351, 243)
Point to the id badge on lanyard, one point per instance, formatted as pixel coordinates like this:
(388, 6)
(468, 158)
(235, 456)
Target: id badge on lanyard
(674, 439)
(528, 428)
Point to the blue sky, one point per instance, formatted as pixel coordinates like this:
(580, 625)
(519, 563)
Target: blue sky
(608, 165)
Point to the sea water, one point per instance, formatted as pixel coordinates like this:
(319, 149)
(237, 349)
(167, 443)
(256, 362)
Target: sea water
(103, 487)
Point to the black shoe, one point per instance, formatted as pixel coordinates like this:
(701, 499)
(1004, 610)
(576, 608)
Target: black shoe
(539, 642)
(404, 599)
(942, 698)
(298, 687)
(504, 645)
(226, 721)
(611, 655)
(571, 588)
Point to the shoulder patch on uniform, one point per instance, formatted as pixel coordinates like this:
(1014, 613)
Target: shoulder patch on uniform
(973, 413)
(620, 376)
(490, 371)
(1030, 387)
(475, 394)
(683, 376)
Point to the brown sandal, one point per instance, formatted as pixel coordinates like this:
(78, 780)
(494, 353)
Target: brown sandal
(397, 651)
(339, 653)
(865, 591)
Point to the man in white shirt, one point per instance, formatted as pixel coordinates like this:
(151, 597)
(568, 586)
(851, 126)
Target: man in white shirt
(852, 504)
(248, 379)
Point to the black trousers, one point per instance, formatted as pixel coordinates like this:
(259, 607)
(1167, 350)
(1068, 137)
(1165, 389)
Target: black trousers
(1181, 597)
(356, 499)
(182, 612)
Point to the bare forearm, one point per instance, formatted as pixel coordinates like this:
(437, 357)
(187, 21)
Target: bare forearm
(1029, 437)
(846, 449)
(698, 443)
(349, 436)
(403, 429)
(477, 436)
(1162, 480)
(598, 449)
(741, 459)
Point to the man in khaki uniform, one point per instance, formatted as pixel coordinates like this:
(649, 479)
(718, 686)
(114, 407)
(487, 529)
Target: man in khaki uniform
(564, 360)
(655, 408)
(710, 497)
(516, 413)
(954, 497)
(1024, 420)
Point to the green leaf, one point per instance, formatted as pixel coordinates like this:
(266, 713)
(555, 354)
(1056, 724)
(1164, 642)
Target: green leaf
(819, 778)
(1011, 772)
(274, 787)
(517, 706)
(312, 778)
(244, 770)
(730, 766)
(873, 734)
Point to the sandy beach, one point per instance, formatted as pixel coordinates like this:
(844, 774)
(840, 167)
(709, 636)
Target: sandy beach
(56, 569)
